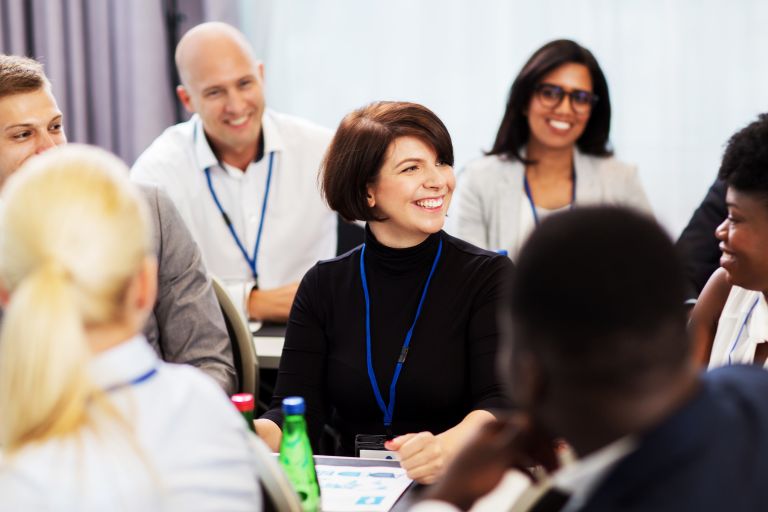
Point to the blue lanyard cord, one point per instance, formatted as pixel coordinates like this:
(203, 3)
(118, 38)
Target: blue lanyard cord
(741, 329)
(251, 261)
(138, 380)
(388, 410)
(530, 195)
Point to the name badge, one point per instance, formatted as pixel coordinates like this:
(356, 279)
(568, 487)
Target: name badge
(371, 446)
(378, 454)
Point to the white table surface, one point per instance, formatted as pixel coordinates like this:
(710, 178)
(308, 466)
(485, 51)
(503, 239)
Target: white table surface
(268, 348)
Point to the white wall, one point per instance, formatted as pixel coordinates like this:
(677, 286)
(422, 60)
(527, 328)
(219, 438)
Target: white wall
(683, 75)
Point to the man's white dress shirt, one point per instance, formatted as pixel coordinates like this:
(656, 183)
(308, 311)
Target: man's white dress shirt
(298, 228)
(188, 448)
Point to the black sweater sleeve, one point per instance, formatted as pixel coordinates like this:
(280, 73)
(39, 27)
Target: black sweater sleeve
(484, 336)
(303, 361)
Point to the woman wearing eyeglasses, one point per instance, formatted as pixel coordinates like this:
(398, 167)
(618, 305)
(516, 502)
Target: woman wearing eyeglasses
(551, 153)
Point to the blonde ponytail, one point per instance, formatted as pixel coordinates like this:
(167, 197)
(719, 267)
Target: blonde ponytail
(73, 233)
(44, 388)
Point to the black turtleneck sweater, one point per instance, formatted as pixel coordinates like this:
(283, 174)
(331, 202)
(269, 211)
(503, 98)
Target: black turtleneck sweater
(450, 367)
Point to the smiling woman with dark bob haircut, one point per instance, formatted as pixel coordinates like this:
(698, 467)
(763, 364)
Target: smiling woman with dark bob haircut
(552, 152)
(397, 338)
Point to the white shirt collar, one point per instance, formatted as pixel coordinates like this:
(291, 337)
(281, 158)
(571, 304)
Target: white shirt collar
(758, 324)
(581, 477)
(123, 363)
(273, 140)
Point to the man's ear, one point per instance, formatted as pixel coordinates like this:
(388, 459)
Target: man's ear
(183, 95)
(5, 296)
(147, 284)
(522, 374)
(531, 379)
(260, 71)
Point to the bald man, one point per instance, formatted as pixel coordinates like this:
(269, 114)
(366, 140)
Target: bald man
(243, 177)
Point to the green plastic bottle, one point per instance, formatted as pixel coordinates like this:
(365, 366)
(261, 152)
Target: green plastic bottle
(296, 454)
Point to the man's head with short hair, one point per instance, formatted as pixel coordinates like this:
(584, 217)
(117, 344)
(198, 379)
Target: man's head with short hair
(222, 82)
(596, 318)
(744, 234)
(20, 74)
(30, 120)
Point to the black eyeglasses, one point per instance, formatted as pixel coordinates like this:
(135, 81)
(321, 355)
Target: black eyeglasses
(550, 96)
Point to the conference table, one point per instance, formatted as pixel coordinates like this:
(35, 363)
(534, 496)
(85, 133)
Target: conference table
(268, 341)
(403, 502)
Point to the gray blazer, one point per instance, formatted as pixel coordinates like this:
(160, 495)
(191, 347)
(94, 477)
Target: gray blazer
(186, 325)
(488, 198)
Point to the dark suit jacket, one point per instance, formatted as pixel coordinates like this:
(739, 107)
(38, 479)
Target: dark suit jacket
(186, 325)
(697, 243)
(711, 455)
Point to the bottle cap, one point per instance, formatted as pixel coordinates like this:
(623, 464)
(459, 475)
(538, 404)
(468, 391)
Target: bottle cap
(243, 401)
(293, 405)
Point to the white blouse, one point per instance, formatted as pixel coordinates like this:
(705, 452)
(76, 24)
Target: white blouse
(188, 448)
(742, 326)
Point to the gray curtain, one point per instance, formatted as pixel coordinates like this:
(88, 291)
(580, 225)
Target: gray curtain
(110, 61)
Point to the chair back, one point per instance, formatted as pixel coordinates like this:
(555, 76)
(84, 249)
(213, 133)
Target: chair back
(243, 349)
(348, 235)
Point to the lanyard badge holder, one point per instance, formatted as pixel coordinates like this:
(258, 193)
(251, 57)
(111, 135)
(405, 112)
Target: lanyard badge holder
(251, 261)
(372, 445)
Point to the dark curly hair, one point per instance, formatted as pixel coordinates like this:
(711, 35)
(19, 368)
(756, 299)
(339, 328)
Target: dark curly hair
(745, 161)
(514, 131)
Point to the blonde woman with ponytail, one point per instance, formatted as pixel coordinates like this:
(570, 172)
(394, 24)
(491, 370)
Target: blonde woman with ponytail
(90, 417)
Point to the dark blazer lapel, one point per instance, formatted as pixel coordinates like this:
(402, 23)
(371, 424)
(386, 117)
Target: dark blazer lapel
(677, 442)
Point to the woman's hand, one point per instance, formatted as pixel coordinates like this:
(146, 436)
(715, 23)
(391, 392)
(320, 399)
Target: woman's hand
(422, 455)
(269, 432)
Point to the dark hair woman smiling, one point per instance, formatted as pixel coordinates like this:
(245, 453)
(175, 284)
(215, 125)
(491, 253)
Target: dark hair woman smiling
(397, 338)
(551, 152)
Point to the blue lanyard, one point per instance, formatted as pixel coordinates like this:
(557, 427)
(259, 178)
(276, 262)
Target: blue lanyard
(530, 196)
(741, 329)
(251, 261)
(388, 410)
(138, 380)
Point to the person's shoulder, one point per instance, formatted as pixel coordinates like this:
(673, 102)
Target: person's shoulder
(741, 386)
(486, 173)
(489, 164)
(169, 148)
(184, 384)
(149, 192)
(475, 255)
(608, 167)
(298, 127)
(340, 263)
